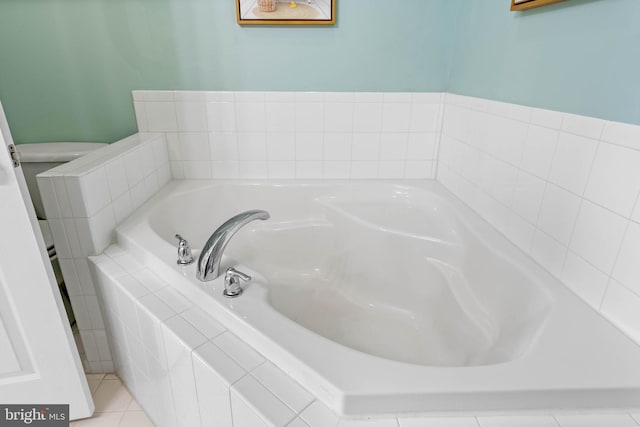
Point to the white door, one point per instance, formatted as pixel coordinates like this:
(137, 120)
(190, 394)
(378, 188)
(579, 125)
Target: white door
(39, 362)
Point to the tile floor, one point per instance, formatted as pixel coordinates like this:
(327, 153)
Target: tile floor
(115, 407)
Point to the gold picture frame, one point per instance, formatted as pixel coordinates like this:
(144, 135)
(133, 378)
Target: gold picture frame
(530, 4)
(286, 12)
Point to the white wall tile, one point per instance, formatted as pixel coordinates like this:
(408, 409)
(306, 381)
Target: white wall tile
(615, 178)
(281, 170)
(252, 147)
(365, 147)
(539, 149)
(369, 97)
(338, 117)
(261, 401)
(60, 238)
(367, 117)
(161, 117)
(223, 146)
(584, 279)
(243, 415)
(95, 191)
(49, 197)
(318, 415)
(396, 117)
(393, 146)
(191, 116)
(204, 323)
(218, 364)
(283, 387)
(197, 170)
(140, 111)
(622, 134)
(622, 307)
(597, 235)
(301, 97)
(251, 117)
(558, 213)
(132, 162)
(62, 196)
(253, 170)
(419, 170)
(213, 396)
(548, 252)
(173, 146)
(391, 170)
(180, 338)
(309, 116)
(364, 170)
(527, 196)
(424, 117)
(309, 146)
(337, 146)
(220, 96)
(572, 162)
(153, 95)
(336, 170)
(280, 116)
(546, 118)
(422, 146)
(582, 125)
(189, 96)
(520, 232)
(308, 170)
(116, 178)
(240, 352)
(225, 170)
(627, 268)
(338, 97)
(281, 146)
(194, 145)
(279, 96)
(221, 117)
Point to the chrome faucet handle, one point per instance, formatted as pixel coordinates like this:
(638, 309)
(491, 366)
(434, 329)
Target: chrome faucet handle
(184, 251)
(232, 279)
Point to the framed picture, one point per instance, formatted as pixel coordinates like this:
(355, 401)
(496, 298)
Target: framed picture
(286, 12)
(530, 4)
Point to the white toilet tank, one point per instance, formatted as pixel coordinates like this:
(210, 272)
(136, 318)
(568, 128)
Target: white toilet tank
(37, 158)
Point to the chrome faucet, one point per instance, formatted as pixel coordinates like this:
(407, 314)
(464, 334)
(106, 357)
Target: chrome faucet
(209, 259)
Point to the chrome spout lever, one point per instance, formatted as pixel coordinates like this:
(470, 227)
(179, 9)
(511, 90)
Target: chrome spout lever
(232, 279)
(211, 254)
(184, 251)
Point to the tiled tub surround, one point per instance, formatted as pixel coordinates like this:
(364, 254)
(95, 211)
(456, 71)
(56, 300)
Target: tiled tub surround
(84, 201)
(564, 188)
(286, 135)
(186, 369)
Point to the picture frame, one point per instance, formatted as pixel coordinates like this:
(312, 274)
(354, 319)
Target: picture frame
(286, 12)
(530, 4)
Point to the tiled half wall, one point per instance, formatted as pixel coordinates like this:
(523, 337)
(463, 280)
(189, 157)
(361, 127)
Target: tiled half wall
(564, 188)
(286, 135)
(84, 201)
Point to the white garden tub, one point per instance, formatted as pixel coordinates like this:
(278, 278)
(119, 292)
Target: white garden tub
(391, 297)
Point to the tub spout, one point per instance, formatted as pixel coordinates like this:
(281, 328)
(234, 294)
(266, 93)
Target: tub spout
(209, 260)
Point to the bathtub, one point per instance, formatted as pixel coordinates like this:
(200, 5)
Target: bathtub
(390, 297)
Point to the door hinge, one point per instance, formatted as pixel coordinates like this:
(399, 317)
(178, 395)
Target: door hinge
(15, 156)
